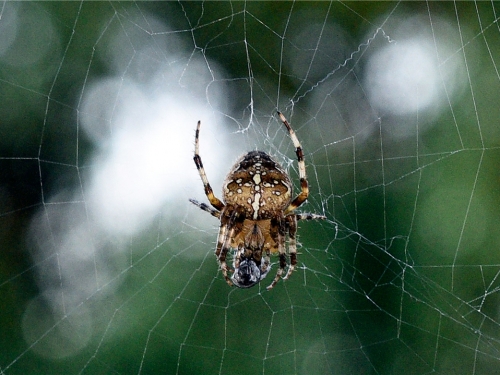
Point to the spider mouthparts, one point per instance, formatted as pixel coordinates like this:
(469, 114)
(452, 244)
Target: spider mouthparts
(248, 273)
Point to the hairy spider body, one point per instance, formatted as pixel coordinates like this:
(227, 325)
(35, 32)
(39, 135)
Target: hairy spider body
(256, 214)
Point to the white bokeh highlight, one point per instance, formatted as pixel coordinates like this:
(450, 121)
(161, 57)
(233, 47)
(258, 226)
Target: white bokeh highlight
(414, 73)
(141, 119)
(143, 163)
(403, 78)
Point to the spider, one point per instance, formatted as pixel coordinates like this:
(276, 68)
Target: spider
(256, 214)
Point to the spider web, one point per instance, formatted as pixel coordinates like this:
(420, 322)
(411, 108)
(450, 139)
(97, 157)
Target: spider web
(107, 268)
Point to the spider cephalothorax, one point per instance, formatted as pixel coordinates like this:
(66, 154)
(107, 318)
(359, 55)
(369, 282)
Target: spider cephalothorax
(256, 214)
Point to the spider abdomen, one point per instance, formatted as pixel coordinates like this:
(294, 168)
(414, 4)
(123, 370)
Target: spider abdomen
(259, 184)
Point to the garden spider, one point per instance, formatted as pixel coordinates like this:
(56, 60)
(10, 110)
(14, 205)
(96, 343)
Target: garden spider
(256, 214)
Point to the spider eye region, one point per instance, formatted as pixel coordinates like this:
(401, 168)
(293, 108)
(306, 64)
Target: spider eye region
(248, 273)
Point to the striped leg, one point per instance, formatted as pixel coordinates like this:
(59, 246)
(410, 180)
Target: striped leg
(222, 251)
(231, 226)
(214, 201)
(308, 216)
(292, 244)
(206, 207)
(301, 198)
(278, 235)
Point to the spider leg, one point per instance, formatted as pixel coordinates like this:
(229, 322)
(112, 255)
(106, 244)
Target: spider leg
(237, 256)
(221, 251)
(214, 201)
(267, 261)
(223, 240)
(309, 216)
(292, 243)
(278, 234)
(301, 198)
(206, 208)
(231, 226)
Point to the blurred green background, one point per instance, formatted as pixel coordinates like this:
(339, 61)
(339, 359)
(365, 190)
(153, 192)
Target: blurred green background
(106, 267)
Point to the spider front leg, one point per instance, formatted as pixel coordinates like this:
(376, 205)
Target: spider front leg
(231, 226)
(292, 243)
(223, 243)
(277, 232)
